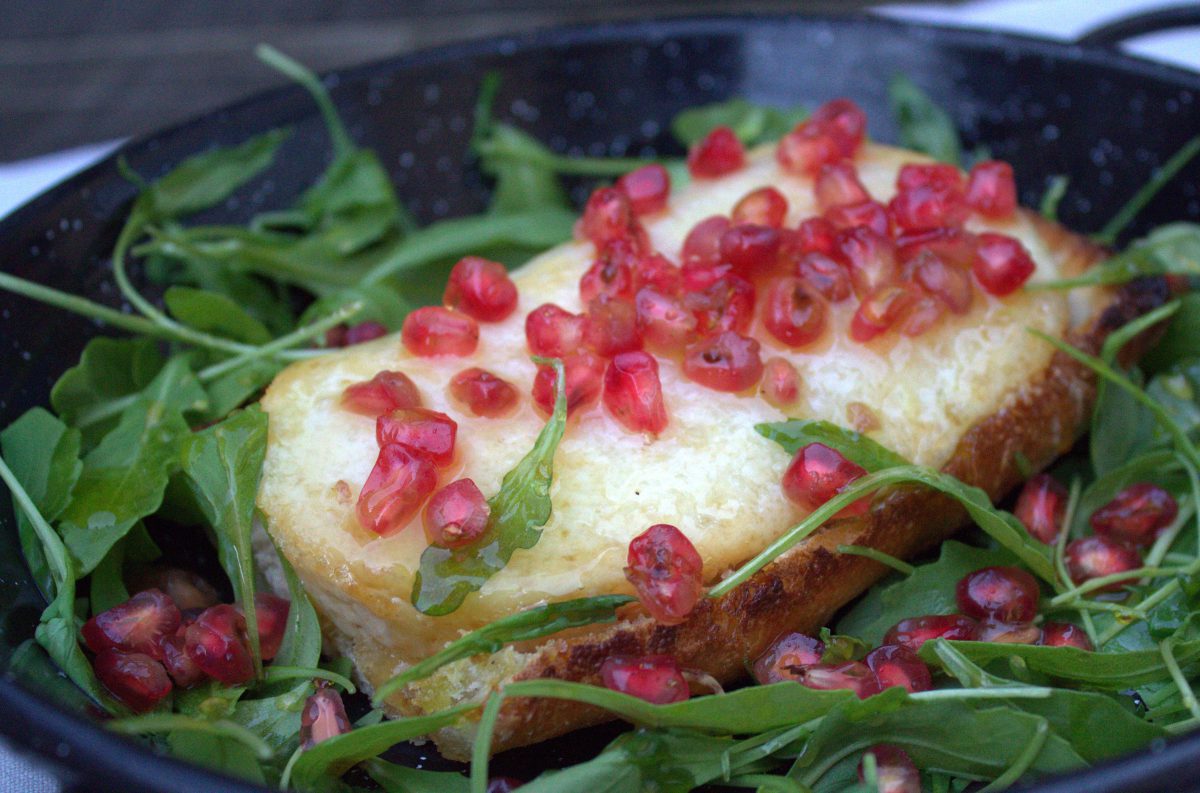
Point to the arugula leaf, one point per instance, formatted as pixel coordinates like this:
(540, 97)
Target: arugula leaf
(124, 477)
(30, 665)
(751, 123)
(1173, 248)
(533, 623)
(110, 372)
(217, 751)
(446, 576)
(923, 125)
(1180, 340)
(235, 388)
(106, 587)
(214, 313)
(794, 434)
(520, 184)
(223, 464)
(1056, 188)
(395, 778)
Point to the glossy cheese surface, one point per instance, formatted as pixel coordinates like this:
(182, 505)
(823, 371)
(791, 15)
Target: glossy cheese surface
(709, 473)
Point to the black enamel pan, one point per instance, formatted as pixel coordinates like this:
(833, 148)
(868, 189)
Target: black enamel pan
(1104, 119)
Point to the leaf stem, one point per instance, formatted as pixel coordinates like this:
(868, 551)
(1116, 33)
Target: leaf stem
(342, 144)
(273, 674)
(483, 742)
(1167, 649)
(898, 565)
(1093, 584)
(1023, 761)
(1145, 195)
(56, 551)
(170, 722)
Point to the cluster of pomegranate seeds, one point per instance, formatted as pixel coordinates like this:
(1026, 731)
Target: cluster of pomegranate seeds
(818, 473)
(719, 153)
(383, 393)
(456, 515)
(480, 289)
(895, 771)
(666, 570)
(483, 393)
(323, 717)
(833, 133)
(798, 657)
(654, 678)
(915, 631)
(434, 330)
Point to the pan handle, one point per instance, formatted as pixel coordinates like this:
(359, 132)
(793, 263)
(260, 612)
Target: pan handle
(1125, 28)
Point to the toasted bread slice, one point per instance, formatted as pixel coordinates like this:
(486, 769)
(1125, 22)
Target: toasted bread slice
(966, 397)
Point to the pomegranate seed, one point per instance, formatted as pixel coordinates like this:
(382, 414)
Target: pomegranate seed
(654, 678)
(1009, 632)
(1001, 594)
(633, 392)
(923, 315)
(950, 285)
(665, 569)
(787, 657)
(868, 214)
(610, 327)
(718, 154)
(134, 678)
(726, 362)
(702, 246)
(216, 642)
(503, 784)
(914, 632)
(880, 310)
(323, 717)
(828, 277)
(434, 330)
(694, 278)
(553, 332)
(837, 185)
(368, 330)
(657, 271)
(178, 663)
(383, 393)
(456, 515)
(817, 473)
(583, 372)
(646, 188)
(1001, 264)
(607, 216)
(423, 432)
(271, 613)
(1136, 515)
(953, 246)
(185, 588)
(794, 314)
(852, 676)
(749, 248)
(765, 206)
(483, 393)
(845, 120)
(611, 274)
(928, 197)
(991, 189)
(816, 234)
(1064, 634)
(1041, 507)
(395, 489)
(780, 383)
(481, 289)
(894, 770)
(725, 304)
(833, 133)
(336, 336)
(665, 325)
(1100, 556)
(137, 626)
(896, 665)
(870, 257)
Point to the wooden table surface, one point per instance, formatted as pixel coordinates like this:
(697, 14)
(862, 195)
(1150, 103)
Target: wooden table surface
(81, 71)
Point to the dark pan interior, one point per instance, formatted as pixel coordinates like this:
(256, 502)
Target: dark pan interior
(1050, 109)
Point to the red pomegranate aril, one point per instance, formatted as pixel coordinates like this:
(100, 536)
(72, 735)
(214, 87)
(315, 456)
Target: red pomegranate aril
(186, 589)
(894, 770)
(928, 197)
(666, 571)
(765, 206)
(178, 663)
(137, 626)
(480, 288)
(1099, 556)
(793, 313)
(433, 330)
(725, 304)
(483, 393)
(867, 214)
(323, 716)
(427, 433)
(1009, 632)
(896, 665)
(610, 327)
(749, 248)
(395, 489)
(991, 189)
(1136, 515)
(135, 679)
(365, 331)
(719, 153)
(780, 383)
(702, 245)
(607, 216)
(1001, 264)
(880, 310)
(216, 642)
(915, 631)
(950, 285)
(659, 273)
(787, 657)
(852, 676)
(646, 188)
(383, 393)
(817, 473)
(870, 257)
(816, 234)
(1001, 594)
(833, 133)
(633, 392)
(1064, 634)
(725, 362)
(611, 274)
(654, 678)
(456, 515)
(922, 316)
(696, 278)
(837, 185)
(553, 332)
(271, 613)
(952, 245)
(584, 375)
(827, 276)
(1041, 507)
(845, 119)
(665, 325)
